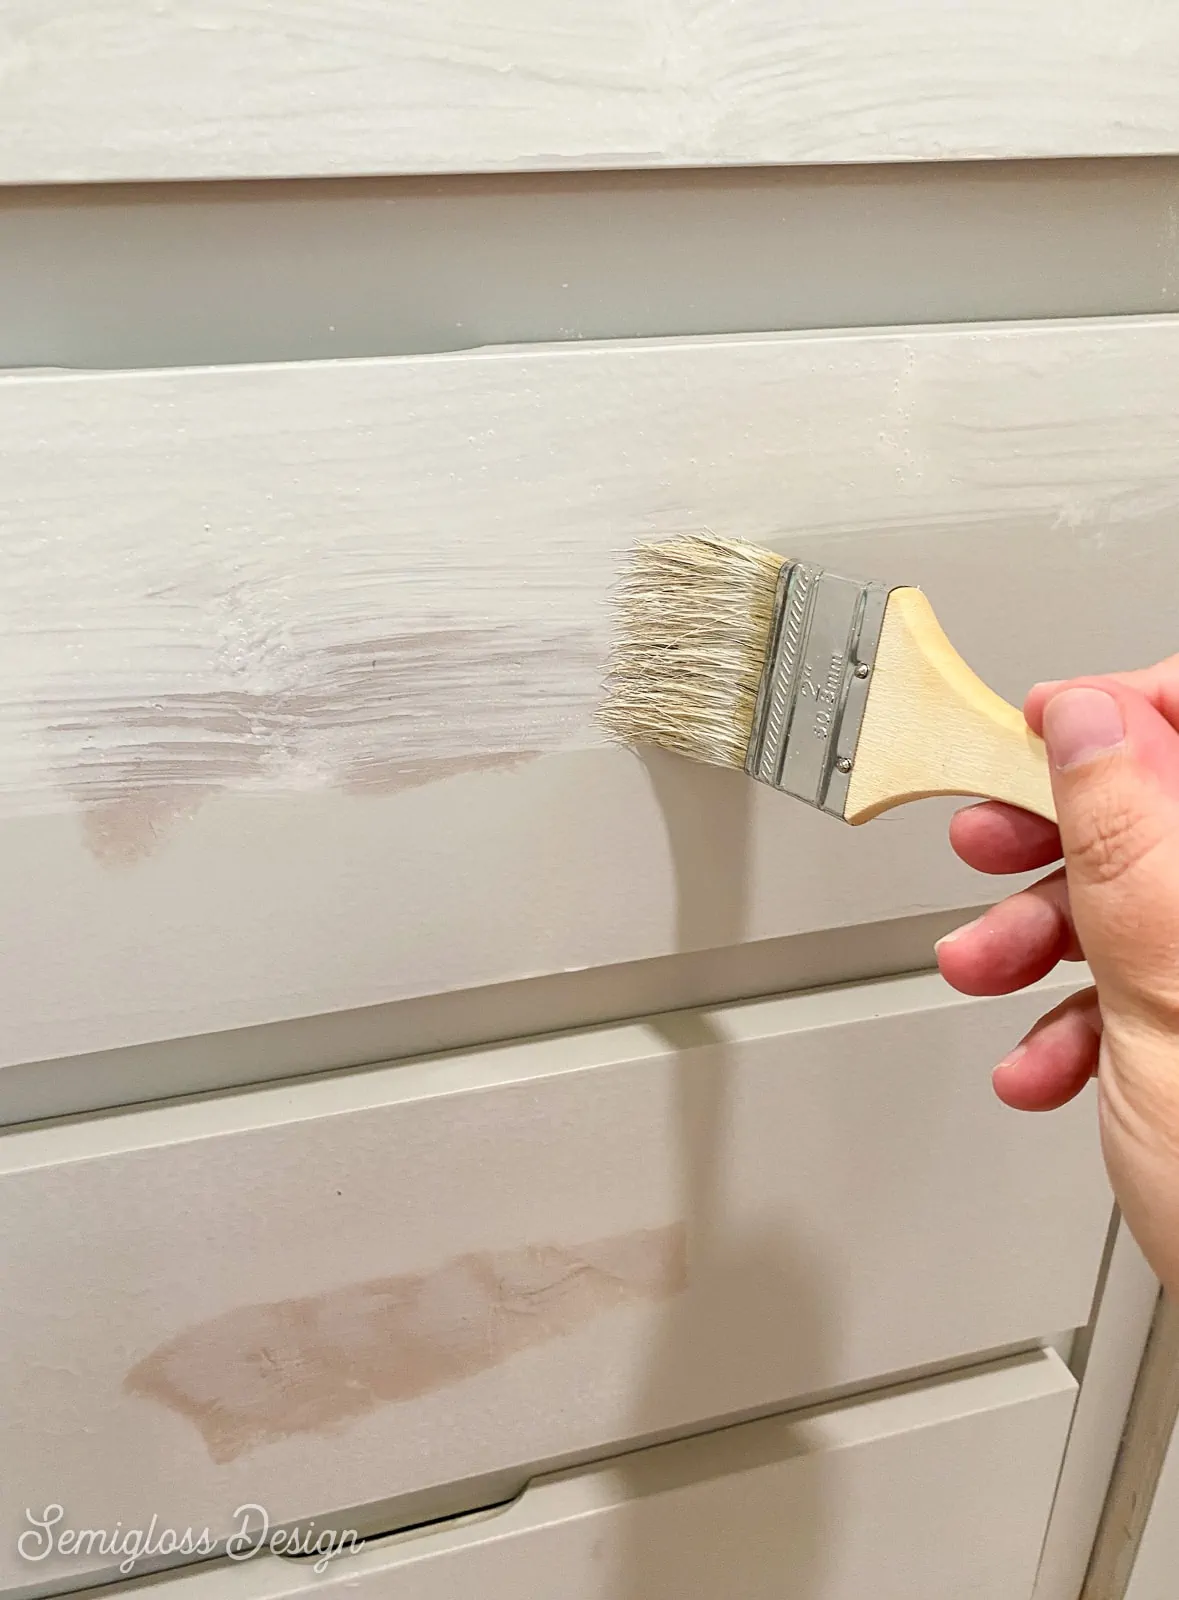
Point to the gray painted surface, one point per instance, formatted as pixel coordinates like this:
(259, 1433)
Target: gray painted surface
(383, 1290)
(39, 1090)
(188, 274)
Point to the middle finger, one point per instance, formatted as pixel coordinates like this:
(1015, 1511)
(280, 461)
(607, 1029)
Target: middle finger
(1015, 943)
(992, 837)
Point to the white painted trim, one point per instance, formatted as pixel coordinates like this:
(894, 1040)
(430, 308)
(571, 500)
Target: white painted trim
(1113, 1349)
(1156, 1565)
(1129, 1507)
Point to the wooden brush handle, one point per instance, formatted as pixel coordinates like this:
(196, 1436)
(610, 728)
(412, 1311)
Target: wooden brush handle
(932, 727)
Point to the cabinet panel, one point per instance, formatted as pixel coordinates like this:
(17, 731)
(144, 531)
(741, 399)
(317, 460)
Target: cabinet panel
(114, 91)
(299, 664)
(409, 1288)
(918, 1494)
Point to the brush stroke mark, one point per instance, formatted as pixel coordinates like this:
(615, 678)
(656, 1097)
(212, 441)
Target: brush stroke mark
(372, 717)
(203, 573)
(263, 1373)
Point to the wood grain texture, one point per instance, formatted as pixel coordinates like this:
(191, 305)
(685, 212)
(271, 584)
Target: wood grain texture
(932, 727)
(916, 1494)
(99, 89)
(404, 1290)
(298, 665)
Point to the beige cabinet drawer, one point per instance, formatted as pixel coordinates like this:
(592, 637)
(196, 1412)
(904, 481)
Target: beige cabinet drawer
(922, 1494)
(299, 665)
(406, 1290)
(290, 89)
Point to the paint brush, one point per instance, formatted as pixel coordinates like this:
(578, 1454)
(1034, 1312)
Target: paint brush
(843, 693)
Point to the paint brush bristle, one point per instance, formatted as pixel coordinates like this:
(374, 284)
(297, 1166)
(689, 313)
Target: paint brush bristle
(694, 617)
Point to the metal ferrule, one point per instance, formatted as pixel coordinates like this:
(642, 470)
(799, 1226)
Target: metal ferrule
(815, 684)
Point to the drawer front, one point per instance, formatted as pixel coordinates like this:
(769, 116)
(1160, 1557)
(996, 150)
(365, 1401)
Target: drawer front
(291, 89)
(405, 1288)
(299, 665)
(920, 1494)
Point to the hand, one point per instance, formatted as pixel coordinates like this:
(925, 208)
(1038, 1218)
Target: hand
(1113, 746)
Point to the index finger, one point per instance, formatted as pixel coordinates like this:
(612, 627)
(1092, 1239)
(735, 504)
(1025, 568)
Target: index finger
(1158, 684)
(993, 837)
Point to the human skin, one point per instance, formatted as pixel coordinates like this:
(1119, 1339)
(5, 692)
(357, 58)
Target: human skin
(1113, 746)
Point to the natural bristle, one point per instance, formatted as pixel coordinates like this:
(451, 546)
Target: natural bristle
(694, 620)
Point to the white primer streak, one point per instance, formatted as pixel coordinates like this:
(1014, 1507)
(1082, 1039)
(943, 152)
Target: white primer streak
(237, 581)
(113, 90)
(372, 574)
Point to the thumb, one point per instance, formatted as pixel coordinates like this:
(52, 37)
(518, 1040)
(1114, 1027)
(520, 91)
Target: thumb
(1115, 776)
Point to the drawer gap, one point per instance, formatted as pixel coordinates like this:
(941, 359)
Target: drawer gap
(220, 273)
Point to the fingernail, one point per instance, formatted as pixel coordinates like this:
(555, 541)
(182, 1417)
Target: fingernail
(1010, 1060)
(948, 938)
(1080, 725)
